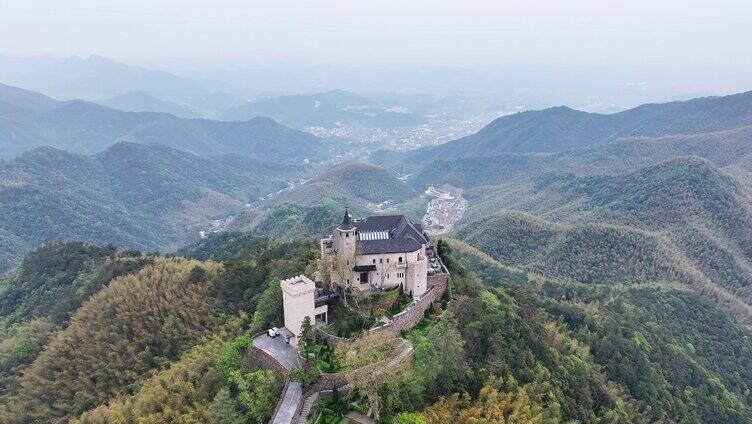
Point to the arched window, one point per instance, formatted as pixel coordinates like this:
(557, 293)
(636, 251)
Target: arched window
(399, 259)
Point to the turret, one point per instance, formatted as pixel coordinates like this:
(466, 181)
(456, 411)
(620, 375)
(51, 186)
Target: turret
(346, 235)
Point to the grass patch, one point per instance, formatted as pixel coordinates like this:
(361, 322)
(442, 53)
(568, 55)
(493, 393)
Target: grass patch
(418, 333)
(365, 351)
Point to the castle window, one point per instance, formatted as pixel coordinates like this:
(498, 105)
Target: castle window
(387, 260)
(399, 259)
(374, 261)
(381, 260)
(347, 234)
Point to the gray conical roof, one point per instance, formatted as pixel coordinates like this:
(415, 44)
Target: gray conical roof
(346, 222)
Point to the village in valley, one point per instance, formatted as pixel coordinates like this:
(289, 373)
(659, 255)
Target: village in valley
(378, 283)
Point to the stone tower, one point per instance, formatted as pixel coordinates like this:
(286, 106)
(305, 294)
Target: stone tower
(346, 238)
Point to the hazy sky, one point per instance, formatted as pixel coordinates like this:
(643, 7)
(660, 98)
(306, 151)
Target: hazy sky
(714, 33)
(574, 51)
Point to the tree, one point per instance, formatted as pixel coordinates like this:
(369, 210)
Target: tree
(444, 250)
(223, 408)
(492, 406)
(256, 393)
(307, 335)
(342, 271)
(440, 359)
(269, 310)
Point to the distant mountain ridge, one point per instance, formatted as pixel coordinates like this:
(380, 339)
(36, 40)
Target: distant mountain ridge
(148, 197)
(136, 101)
(28, 120)
(728, 149)
(327, 109)
(560, 128)
(97, 77)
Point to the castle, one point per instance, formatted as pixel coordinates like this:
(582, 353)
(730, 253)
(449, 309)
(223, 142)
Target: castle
(378, 252)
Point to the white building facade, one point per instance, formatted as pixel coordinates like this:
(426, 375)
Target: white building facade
(381, 252)
(299, 302)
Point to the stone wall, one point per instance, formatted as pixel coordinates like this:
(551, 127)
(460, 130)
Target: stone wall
(411, 316)
(262, 359)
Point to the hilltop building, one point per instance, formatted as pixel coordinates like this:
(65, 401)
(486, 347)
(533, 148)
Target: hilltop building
(378, 252)
(299, 302)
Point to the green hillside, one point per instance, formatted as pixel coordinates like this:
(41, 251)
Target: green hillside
(730, 149)
(132, 195)
(124, 317)
(560, 128)
(682, 220)
(352, 183)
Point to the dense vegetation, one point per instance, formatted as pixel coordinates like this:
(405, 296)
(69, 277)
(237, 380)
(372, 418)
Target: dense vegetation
(212, 383)
(354, 184)
(53, 281)
(561, 128)
(149, 320)
(548, 351)
(131, 195)
(39, 297)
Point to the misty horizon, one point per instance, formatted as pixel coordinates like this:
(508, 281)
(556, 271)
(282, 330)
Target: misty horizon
(586, 55)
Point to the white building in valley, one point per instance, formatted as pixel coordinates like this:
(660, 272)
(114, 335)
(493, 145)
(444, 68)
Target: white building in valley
(379, 252)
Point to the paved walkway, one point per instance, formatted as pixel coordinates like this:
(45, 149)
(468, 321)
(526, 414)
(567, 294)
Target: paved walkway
(287, 356)
(357, 417)
(289, 405)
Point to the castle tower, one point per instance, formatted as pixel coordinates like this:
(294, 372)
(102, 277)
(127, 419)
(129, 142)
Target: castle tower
(346, 238)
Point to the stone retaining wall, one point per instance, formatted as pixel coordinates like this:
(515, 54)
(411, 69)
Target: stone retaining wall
(408, 318)
(262, 359)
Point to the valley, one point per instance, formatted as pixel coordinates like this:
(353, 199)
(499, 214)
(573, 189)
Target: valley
(606, 252)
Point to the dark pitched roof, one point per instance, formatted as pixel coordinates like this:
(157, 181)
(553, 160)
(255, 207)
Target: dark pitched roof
(398, 227)
(374, 247)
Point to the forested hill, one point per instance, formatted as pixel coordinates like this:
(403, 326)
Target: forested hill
(685, 211)
(728, 149)
(560, 128)
(351, 183)
(108, 322)
(28, 120)
(540, 349)
(139, 196)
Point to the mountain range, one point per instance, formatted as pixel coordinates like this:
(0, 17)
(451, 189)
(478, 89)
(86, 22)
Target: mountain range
(137, 101)
(561, 128)
(96, 77)
(148, 197)
(602, 271)
(28, 120)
